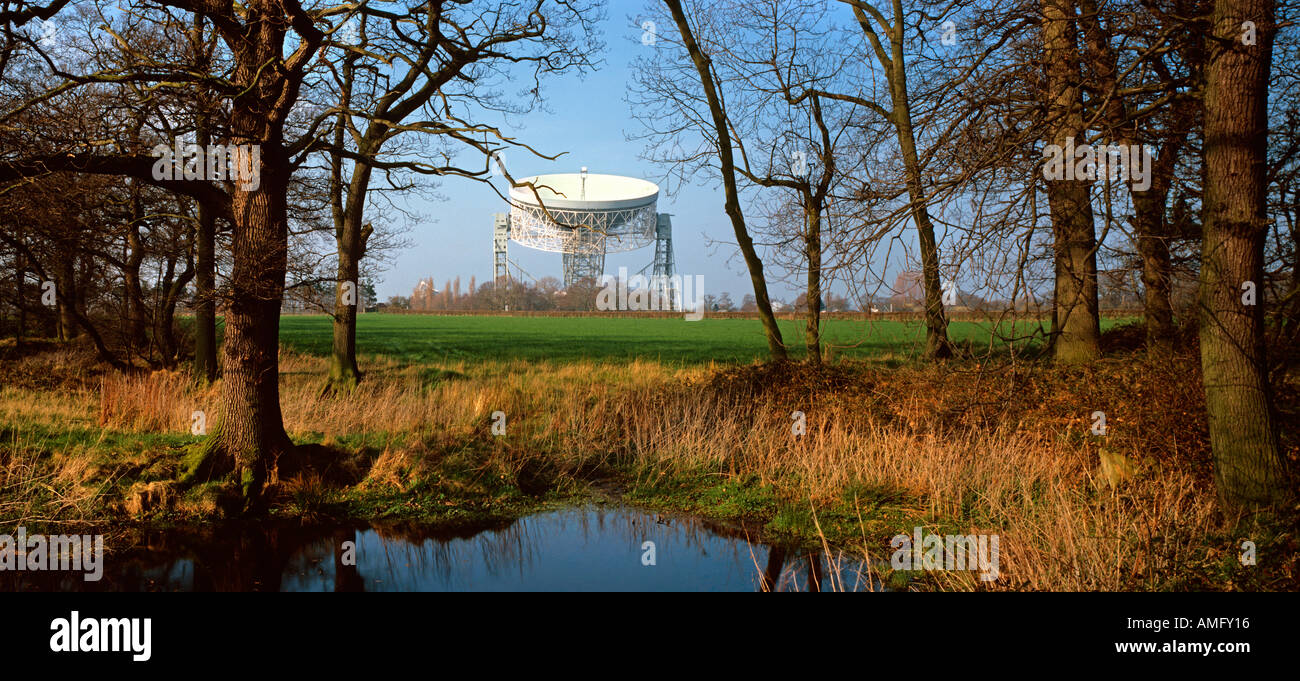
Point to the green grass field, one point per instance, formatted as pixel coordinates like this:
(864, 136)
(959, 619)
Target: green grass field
(428, 339)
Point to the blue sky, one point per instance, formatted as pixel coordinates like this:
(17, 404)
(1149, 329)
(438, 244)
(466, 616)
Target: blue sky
(588, 118)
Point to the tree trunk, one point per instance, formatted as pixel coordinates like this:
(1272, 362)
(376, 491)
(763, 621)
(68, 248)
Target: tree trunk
(205, 233)
(251, 432)
(66, 283)
(936, 323)
(20, 279)
(350, 238)
(775, 344)
(1248, 469)
(1157, 269)
(1149, 224)
(344, 372)
(170, 294)
(814, 252)
(205, 301)
(137, 339)
(1076, 328)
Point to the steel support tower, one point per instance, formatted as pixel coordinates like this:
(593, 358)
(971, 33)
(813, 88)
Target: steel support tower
(664, 266)
(500, 248)
(586, 261)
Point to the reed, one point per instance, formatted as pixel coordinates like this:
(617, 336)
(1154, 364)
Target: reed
(1032, 478)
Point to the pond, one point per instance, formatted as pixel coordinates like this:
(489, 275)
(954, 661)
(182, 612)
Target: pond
(582, 549)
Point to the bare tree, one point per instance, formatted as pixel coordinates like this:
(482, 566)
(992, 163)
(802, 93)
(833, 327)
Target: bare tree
(704, 111)
(451, 56)
(892, 58)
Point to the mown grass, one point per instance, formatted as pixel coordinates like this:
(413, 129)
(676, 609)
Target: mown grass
(439, 339)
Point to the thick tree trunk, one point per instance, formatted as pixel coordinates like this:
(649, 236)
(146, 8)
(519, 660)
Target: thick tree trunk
(1149, 204)
(136, 337)
(344, 372)
(1076, 329)
(814, 252)
(251, 432)
(1248, 469)
(937, 345)
(350, 237)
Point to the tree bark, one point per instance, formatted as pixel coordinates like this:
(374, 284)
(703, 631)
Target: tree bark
(205, 236)
(20, 277)
(1157, 270)
(1076, 327)
(136, 337)
(350, 238)
(66, 300)
(1248, 469)
(205, 302)
(205, 295)
(813, 241)
(251, 432)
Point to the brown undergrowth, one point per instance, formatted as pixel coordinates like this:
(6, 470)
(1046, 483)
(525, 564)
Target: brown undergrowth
(962, 447)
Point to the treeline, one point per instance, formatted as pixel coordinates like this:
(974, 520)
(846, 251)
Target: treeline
(548, 293)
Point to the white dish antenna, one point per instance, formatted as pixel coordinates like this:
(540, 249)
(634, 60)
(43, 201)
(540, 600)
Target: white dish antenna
(584, 214)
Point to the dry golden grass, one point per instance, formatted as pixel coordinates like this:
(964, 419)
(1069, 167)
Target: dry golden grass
(1031, 478)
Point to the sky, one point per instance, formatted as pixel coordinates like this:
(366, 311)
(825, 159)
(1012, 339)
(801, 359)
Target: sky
(589, 119)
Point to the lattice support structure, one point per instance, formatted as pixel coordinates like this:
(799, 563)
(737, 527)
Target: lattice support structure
(500, 249)
(583, 267)
(574, 231)
(664, 265)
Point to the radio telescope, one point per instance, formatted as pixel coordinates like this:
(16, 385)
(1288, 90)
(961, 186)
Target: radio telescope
(584, 216)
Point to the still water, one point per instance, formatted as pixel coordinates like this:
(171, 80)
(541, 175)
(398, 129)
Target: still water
(596, 549)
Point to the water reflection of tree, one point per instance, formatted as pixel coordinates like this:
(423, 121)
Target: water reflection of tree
(347, 578)
(412, 554)
(815, 571)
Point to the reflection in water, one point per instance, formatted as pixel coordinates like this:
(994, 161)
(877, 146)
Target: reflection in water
(570, 550)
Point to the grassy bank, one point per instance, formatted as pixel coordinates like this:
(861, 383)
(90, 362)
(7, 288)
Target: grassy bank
(967, 447)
